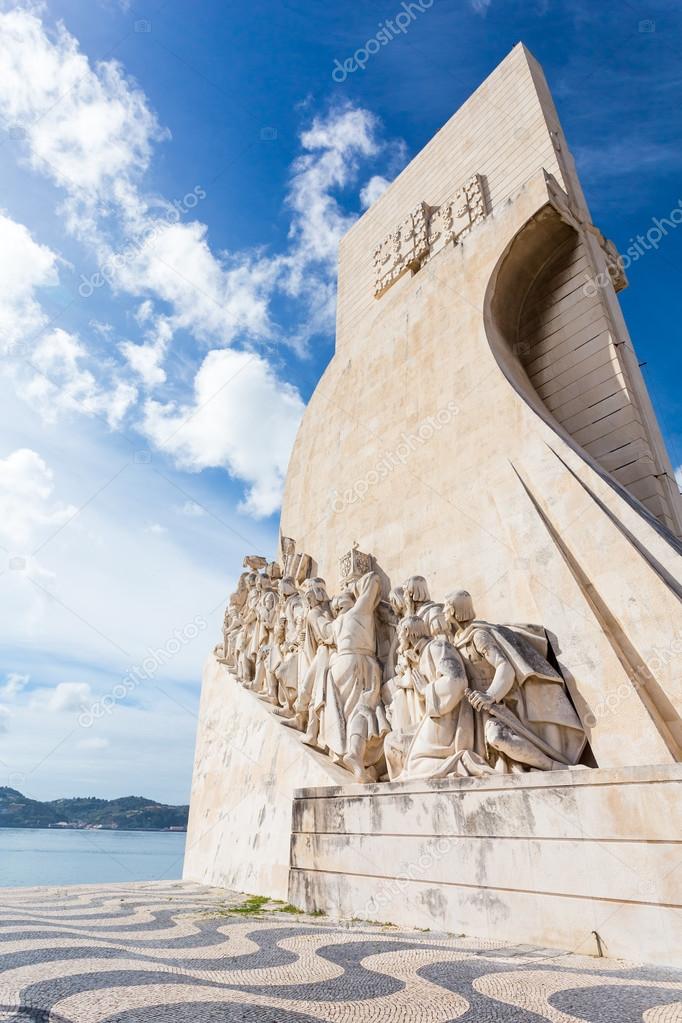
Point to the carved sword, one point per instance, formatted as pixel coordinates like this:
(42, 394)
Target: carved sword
(509, 718)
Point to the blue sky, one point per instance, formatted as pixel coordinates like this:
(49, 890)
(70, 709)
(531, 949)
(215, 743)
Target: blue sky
(173, 184)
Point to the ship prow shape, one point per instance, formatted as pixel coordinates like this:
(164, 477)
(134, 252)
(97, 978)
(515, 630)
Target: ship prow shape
(483, 431)
(246, 770)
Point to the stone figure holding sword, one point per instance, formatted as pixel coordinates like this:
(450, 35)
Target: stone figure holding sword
(525, 717)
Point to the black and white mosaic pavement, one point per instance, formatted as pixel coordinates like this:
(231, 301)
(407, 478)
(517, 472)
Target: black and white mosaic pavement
(174, 952)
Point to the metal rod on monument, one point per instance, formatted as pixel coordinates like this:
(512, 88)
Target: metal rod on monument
(508, 718)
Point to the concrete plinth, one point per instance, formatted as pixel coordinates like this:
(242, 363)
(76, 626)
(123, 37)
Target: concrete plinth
(579, 860)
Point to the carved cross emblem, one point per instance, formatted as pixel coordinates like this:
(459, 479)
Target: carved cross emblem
(425, 231)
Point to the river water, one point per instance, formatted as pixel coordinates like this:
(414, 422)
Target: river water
(31, 856)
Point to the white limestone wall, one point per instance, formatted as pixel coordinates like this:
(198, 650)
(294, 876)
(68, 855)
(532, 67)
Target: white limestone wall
(457, 507)
(247, 766)
(501, 132)
(507, 131)
(499, 497)
(544, 859)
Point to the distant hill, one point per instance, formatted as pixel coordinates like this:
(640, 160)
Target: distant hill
(130, 813)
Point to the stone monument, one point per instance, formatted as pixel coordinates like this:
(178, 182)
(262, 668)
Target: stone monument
(492, 745)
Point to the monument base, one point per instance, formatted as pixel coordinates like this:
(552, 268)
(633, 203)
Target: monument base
(584, 860)
(246, 768)
(589, 861)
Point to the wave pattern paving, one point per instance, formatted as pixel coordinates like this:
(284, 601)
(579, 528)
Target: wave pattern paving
(172, 952)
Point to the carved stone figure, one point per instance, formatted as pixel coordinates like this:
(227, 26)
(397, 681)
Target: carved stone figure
(415, 594)
(317, 641)
(523, 709)
(388, 617)
(403, 688)
(403, 695)
(276, 651)
(233, 622)
(291, 632)
(443, 742)
(339, 604)
(245, 645)
(418, 599)
(255, 562)
(266, 613)
(254, 627)
(351, 715)
(353, 565)
(232, 625)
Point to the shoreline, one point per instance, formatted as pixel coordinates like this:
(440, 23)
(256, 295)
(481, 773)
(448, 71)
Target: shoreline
(127, 831)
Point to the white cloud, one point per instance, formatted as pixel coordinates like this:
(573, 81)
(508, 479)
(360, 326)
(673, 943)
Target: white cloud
(250, 426)
(87, 128)
(678, 477)
(24, 266)
(144, 311)
(94, 558)
(90, 130)
(226, 298)
(625, 156)
(156, 528)
(104, 330)
(96, 742)
(66, 696)
(5, 716)
(145, 360)
(480, 6)
(333, 147)
(27, 505)
(214, 299)
(192, 510)
(59, 379)
(375, 187)
(49, 371)
(15, 683)
(29, 515)
(126, 753)
(243, 419)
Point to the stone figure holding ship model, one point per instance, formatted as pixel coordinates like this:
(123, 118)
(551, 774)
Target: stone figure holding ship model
(399, 688)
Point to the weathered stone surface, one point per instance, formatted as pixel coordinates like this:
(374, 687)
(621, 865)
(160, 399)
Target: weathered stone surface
(542, 858)
(245, 771)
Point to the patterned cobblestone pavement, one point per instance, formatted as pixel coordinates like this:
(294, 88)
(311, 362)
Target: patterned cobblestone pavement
(173, 952)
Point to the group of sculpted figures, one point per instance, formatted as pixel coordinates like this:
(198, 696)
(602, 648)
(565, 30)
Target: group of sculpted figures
(399, 688)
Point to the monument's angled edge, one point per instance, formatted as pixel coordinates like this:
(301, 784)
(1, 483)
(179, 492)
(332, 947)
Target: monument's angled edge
(655, 490)
(482, 437)
(552, 457)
